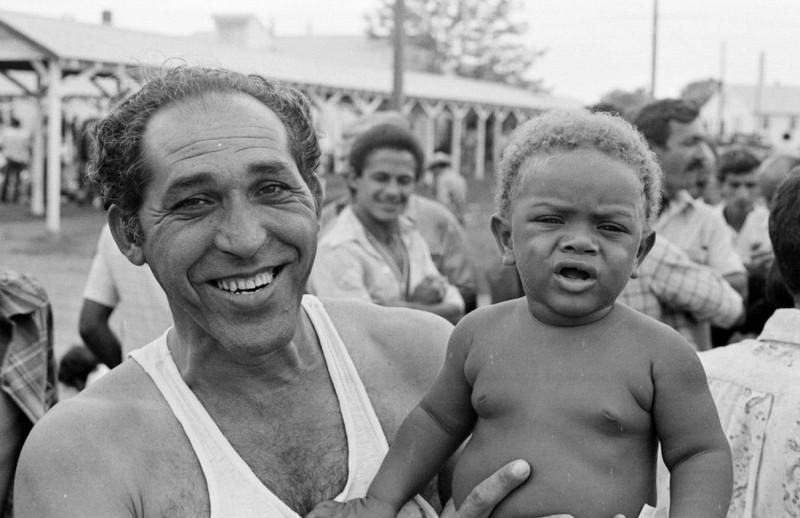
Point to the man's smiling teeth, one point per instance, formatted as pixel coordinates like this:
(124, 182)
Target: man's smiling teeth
(237, 284)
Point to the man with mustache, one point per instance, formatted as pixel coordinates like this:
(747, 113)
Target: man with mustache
(674, 131)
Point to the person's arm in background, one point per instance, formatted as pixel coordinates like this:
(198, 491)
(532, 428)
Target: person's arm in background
(684, 285)
(722, 256)
(97, 335)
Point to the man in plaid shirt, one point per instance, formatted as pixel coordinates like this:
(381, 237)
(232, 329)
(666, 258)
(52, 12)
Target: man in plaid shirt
(672, 288)
(27, 370)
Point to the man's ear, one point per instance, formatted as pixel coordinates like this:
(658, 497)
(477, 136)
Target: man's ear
(644, 248)
(318, 190)
(123, 238)
(501, 228)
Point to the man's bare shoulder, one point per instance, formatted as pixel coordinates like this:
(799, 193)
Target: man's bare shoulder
(412, 342)
(97, 433)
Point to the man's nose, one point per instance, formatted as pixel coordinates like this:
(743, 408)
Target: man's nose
(240, 231)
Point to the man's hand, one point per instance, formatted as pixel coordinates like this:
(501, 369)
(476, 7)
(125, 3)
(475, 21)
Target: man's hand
(430, 291)
(482, 500)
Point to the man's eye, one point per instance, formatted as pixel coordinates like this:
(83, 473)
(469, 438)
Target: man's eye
(273, 190)
(548, 219)
(191, 203)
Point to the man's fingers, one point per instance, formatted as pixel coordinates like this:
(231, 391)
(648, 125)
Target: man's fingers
(486, 495)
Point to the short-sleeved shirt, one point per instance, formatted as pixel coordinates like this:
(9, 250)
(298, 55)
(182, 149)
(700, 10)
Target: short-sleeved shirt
(141, 311)
(756, 388)
(754, 234)
(348, 264)
(701, 232)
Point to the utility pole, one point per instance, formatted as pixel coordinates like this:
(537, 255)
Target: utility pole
(655, 51)
(399, 33)
(721, 91)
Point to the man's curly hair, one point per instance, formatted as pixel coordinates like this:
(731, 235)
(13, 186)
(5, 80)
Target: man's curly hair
(117, 163)
(559, 131)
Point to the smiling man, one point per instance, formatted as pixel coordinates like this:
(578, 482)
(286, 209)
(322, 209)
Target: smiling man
(252, 404)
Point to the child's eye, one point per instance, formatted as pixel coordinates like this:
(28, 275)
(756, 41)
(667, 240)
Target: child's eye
(612, 227)
(548, 219)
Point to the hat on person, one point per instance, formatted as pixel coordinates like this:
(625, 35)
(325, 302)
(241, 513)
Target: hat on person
(440, 158)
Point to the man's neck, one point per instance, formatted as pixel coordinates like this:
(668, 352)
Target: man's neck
(386, 232)
(210, 365)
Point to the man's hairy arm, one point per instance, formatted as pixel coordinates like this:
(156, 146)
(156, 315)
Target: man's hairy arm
(64, 470)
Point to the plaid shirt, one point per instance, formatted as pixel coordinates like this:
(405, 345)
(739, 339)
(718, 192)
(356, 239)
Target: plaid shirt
(28, 370)
(683, 294)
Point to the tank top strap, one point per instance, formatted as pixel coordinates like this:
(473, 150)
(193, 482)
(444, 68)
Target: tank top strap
(366, 441)
(233, 489)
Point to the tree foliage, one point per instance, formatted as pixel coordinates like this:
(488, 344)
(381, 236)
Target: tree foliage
(699, 92)
(627, 103)
(472, 38)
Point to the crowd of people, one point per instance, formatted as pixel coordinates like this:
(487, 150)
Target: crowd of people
(276, 353)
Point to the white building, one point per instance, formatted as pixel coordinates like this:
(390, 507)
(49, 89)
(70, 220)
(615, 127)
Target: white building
(771, 112)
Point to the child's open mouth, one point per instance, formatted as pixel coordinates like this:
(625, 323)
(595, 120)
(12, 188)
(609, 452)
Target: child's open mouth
(574, 273)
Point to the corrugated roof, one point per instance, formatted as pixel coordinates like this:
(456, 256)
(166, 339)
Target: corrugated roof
(70, 40)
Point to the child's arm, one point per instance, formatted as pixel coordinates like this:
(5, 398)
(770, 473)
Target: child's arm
(428, 436)
(432, 431)
(693, 444)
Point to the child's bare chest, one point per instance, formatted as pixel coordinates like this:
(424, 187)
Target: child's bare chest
(602, 390)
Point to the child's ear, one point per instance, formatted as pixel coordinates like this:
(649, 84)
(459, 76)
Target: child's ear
(122, 236)
(501, 228)
(644, 248)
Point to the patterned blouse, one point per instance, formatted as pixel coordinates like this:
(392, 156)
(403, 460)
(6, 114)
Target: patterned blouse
(756, 386)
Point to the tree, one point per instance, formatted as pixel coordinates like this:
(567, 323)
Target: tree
(699, 92)
(469, 38)
(627, 103)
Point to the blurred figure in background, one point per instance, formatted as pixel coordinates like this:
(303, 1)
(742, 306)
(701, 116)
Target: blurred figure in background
(442, 232)
(371, 251)
(27, 369)
(124, 307)
(15, 144)
(672, 128)
(449, 187)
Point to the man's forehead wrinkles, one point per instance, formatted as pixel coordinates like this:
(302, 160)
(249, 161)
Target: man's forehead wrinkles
(201, 144)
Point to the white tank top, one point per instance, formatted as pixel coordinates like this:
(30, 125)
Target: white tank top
(234, 490)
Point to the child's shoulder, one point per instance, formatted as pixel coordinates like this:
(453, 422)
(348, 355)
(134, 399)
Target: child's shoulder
(650, 331)
(500, 314)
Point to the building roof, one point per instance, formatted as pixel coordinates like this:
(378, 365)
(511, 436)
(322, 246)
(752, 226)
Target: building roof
(77, 45)
(775, 99)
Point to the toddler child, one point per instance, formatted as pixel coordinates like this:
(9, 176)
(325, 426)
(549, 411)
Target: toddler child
(579, 385)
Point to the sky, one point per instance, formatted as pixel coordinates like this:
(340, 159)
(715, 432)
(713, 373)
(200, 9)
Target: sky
(592, 46)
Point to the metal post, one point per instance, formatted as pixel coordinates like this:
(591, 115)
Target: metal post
(397, 83)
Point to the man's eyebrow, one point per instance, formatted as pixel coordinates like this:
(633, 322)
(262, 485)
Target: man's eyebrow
(188, 182)
(269, 167)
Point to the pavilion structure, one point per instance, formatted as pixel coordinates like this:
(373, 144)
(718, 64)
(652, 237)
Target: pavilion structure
(40, 56)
